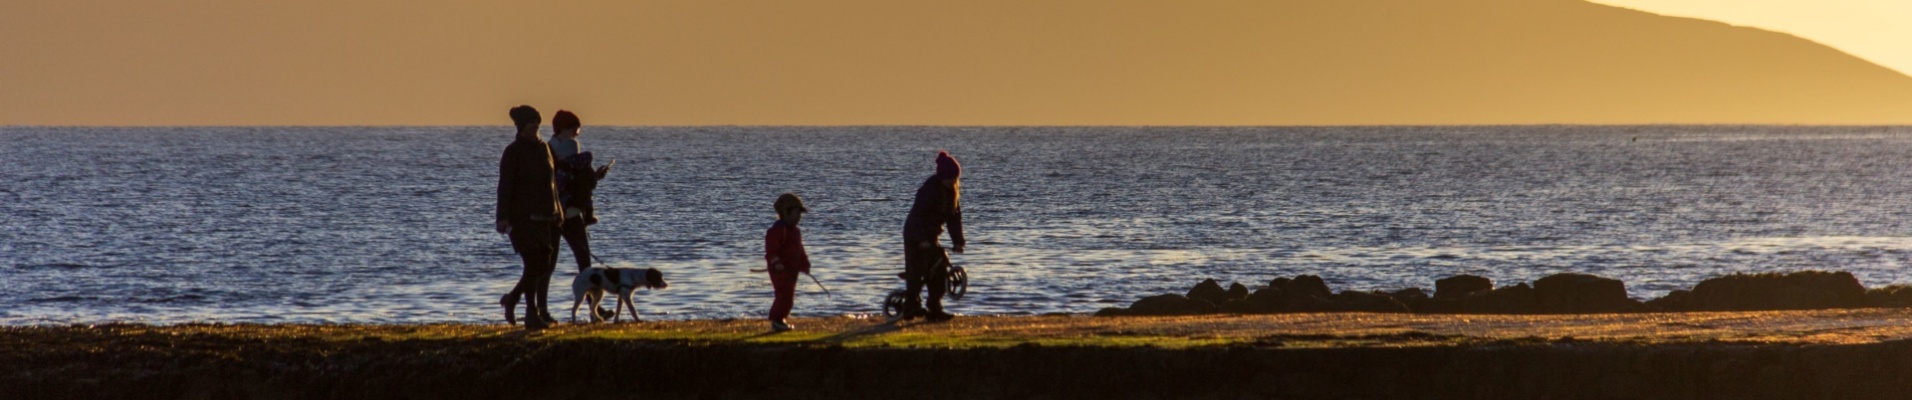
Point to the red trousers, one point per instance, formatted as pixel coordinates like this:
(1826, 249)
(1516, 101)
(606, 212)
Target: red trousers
(785, 287)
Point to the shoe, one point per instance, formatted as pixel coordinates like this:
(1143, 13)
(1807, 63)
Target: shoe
(913, 313)
(510, 303)
(779, 326)
(939, 316)
(533, 324)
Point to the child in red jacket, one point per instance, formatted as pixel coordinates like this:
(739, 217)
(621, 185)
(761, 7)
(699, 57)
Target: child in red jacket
(783, 251)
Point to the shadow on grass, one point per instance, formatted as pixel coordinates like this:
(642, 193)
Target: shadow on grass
(846, 336)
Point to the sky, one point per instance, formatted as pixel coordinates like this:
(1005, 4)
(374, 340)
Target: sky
(1876, 30)
(980, 62)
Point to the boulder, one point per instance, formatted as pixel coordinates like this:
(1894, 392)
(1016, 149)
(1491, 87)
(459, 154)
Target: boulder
(1350, 300)
(1678, 300)
(1209, 291)
(1460, 286)
(1517, 299)
(1802, 290)
(1890, 296)
(1237, 291)
(1112, 312)
(1308, 303)
(1278, 282)
(1582, 294)
(1437, 306)
(1414, 298)
(1264, 301)
(1307, 285)
(1170, 304)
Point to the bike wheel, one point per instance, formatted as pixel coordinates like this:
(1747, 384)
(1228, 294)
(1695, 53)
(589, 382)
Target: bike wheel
(958, 283)
(894, 303)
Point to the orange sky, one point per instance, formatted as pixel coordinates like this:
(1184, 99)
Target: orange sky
(629, 62)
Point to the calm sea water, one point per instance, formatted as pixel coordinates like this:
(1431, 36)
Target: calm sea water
(393, 224)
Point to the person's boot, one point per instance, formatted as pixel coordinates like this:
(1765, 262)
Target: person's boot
(912, 309)
(780, 326)
(534, 323)
(936, 314)
(510, 304)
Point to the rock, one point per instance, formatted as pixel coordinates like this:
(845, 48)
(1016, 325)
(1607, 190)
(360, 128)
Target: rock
(1112, 312)
(1307, 285)
(1209, 291)
(1437, 306)
(1775, 291)
(1581, 293)
(1264, 301)
(1237, 291)
(1517, 299)
(1678, 300)
(1307, 303)
(1237, 307)
(1410, 295)
(1460, 286)
(1413, 298)
(1350, 300)
(1278, 282)
(1890, 296)
(1170, 304)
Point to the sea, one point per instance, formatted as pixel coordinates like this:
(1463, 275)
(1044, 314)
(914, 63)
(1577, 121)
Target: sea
(394, 224)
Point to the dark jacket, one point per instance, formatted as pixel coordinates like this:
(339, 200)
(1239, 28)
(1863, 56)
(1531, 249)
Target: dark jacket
(936, 205)
(526, 191)
(784, 243)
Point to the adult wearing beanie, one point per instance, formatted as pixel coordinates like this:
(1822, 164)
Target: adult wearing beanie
(938, 204)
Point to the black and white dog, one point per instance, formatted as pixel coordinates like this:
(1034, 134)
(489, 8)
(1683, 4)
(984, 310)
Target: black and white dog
(591, 284)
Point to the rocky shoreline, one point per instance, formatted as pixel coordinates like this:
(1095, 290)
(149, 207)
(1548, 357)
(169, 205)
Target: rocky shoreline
(1567, 293)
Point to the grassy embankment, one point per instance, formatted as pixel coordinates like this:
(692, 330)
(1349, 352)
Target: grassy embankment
(1858, 353)
(1315, 330)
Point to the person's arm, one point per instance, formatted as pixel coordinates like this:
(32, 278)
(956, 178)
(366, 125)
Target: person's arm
(772, 249)
(955, 221)
(504, 179)
(918, 226)
(606, 169)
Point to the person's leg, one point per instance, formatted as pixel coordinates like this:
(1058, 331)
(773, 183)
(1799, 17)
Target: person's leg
(938, 281)
(532, 241)
(580, 243)
(913, 272)
(544, 279)
(510, 300)
(785, 291)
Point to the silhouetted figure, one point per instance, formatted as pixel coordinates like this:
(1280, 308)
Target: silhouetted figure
(528, 213)
(938, 204)
(576, 184)
(783, 252)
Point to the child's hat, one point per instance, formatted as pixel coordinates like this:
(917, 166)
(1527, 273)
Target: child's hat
(787, 202)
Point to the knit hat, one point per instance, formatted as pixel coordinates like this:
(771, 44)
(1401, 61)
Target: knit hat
(946, 166)
(787, 202)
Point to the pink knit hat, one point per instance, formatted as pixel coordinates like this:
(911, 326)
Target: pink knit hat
(946, 166)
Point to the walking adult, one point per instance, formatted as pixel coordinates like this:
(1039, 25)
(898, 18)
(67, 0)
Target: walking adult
(938, 204)
(528, 213)
(576, 182)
